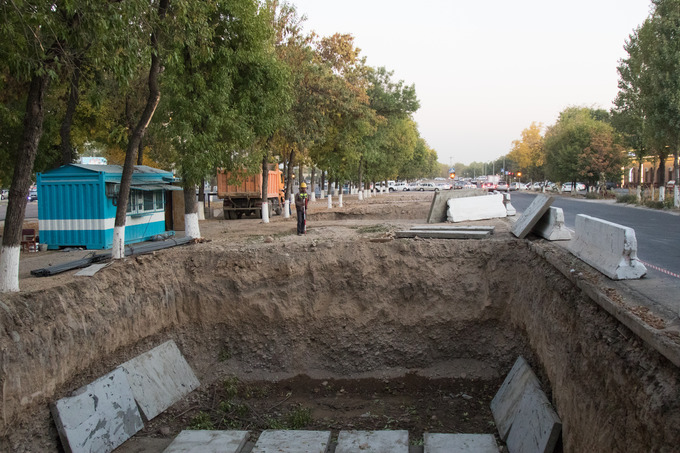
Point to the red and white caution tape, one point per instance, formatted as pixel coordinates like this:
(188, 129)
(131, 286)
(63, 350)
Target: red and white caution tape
(656, 268)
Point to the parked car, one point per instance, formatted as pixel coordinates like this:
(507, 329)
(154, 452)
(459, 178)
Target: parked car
(443, 186)
(566, 187)
(423, 186)
(502, 185)
(469, 185)
(399, 187)
(4, 194)
(32, 195)
(670, 184)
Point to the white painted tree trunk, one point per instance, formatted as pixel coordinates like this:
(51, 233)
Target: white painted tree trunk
(638, 193)
(286, 209)
(118, 247)
(312, 196)
(662, 193)
(265, 212)
(361, 195)
(676, 195)
(201, 210)
(9, 269)
(191, 228)
(340, 201)
(330, 201)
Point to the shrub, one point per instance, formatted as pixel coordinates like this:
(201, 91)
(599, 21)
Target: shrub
(299, 417)
(630, 199)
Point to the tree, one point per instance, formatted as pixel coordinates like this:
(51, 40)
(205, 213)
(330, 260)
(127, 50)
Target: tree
(528, 153)
(567, 140)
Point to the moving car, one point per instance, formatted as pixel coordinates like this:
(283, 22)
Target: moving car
(443, 186)
(502, 185)
(32, 195)
(4, 194)
(488, 186)
(399, 187)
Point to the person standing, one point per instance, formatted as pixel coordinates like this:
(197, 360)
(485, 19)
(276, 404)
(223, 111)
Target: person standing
(301, 201)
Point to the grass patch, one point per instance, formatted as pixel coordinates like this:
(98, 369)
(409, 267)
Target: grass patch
(373, 229)
(201, 421)
(300, 417)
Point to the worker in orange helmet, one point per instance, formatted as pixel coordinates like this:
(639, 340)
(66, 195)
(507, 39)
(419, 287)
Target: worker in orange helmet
(301, 201)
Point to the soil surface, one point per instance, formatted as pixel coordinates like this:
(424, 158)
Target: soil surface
(341, 328)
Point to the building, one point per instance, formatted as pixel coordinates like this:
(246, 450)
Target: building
(650, 169)
(77, 205)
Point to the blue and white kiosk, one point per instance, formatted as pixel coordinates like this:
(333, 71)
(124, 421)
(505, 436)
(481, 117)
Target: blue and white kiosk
(77, 205)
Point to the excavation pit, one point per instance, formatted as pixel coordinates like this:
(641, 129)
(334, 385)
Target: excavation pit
(334, 331)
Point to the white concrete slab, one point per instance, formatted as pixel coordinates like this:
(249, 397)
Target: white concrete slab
(443, 234)
(536, 427)
(531, 215)
(372, 441)
(92, 269)
(608, 247)
(208, 442)
(460, 443)
(551, 226)
(505, 403)
(439, 205)
(99, 416)
(476, 208)
(280, 441)
(159, 378)
(508, 204)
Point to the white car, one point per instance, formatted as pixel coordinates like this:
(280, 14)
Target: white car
(399, 187)
(443, 186)
(430, 186)
(566, 187)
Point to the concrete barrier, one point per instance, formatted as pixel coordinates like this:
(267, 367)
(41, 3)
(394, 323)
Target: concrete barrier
(608, 247)
(476, 208)
(439, 207)
(551, 226)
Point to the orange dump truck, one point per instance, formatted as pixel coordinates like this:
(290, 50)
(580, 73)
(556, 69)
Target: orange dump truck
(242, 193)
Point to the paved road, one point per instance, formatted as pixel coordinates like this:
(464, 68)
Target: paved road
(31, 210)
(657, 232)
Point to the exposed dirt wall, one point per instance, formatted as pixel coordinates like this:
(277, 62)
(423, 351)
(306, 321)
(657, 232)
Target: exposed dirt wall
(339, 305)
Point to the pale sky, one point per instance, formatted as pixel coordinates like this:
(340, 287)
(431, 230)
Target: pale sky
(484, 70)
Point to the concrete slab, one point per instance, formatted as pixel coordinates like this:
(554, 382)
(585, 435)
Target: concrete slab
(508, 204)
(505, 403)
(608, 247)
(92, 269)
(144, 445)
(99, 416)
(476, 208)
(439, 205)
(551, 226)
(454, 228)
(468, 234)
(536, 427)
(208, 442)
(159, 378)
(460, 443)
(531, 215)
(372, 441)
(280, 441)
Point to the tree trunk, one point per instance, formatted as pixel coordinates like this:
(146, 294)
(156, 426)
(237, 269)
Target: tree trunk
(361, 173)
(140, 152)
(153, 98)
(265, 187)
(201, 191)
(323, 180)
(191, 228)
(21, 183)
(65, 130)
(289, 174)
(312, 179)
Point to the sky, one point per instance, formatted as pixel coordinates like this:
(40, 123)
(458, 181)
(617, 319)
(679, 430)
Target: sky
(484, 71)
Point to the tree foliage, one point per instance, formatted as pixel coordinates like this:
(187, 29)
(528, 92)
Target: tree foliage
(528, 153)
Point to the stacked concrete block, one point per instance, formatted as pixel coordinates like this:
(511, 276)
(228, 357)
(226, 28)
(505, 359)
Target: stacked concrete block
(99, 416)
(159, 378)
(531, 216)
(280, 441)
(608, 247)
(551, 226)
(524, 417)
(208, 442)
(373, 441)
(476, 208)
(467, 443)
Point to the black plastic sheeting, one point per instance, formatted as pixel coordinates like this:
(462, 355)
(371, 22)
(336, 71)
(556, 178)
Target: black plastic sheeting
(130, 250)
